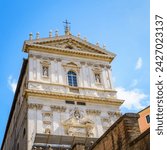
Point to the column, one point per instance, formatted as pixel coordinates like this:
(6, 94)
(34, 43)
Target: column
(30, 67)
(60, 77)
(52, 70)
(31, 127)
(39, 123)
(38, 69)
(82, 74)
(104, 78)
(109, 76)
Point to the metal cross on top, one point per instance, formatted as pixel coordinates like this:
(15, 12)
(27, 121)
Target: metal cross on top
(66, 22)
(67, 28)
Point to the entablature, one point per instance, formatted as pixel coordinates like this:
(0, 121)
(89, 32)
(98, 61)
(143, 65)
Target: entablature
(75, 97)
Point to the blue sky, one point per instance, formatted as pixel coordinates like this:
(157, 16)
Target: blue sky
(122, 25)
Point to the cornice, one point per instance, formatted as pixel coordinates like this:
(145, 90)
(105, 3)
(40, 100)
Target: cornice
(67, 52)
(64, 96)
(70, 38)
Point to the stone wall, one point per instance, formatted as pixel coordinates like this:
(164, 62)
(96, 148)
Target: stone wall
(142, 142)
(78, 147)
(120, 134)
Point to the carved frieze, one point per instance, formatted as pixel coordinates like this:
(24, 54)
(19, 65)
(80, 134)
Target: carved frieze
(93, 112)
(58, 59)
(51, 58)
(38, 56)
(58, 108)
(117, 113)
(89, 64)
(46, 87)
(34, 86)
(35, 106)
(106, 119)
(39, 106)
(31, 106)
(82, 63)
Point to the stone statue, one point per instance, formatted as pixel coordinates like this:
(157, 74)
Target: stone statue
(45, 71)
(97, 78)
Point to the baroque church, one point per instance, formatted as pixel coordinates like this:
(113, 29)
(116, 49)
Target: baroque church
(64, 95)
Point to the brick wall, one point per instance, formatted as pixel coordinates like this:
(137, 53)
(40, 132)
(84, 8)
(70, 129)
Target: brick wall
(142, 142)
(120, 134)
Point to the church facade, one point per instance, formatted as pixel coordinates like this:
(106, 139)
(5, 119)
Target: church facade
(64, 95)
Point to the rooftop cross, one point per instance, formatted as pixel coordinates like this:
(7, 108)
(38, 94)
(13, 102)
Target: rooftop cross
(67, 28)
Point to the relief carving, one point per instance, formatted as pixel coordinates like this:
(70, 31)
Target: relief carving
(78, 125)
(93, 112)
(47, 121)
(106, 122)
(35, 106)
(71, 65)
(117, 113)
(34, 86)
(58, 108)
(108, 66)
(39, 106)
(82, 63)
(58, 60)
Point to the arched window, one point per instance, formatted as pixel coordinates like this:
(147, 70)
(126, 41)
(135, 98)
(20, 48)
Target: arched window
(72, 78)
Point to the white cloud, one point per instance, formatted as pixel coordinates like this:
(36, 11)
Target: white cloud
(139, 63)
(134, 83)
(133, 98)
(12, 83)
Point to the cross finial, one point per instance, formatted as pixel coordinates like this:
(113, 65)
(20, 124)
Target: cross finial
(67, 28)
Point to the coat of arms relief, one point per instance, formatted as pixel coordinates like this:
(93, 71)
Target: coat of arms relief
(78, 124)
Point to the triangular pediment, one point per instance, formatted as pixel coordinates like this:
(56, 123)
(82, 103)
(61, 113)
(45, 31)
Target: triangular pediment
(73, 45)
(68, 44)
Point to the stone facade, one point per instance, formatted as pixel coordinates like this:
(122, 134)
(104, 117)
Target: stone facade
(142, 142)
(65, 91)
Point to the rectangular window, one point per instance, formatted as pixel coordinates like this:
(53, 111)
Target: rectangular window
(70, 102)
(148, 118)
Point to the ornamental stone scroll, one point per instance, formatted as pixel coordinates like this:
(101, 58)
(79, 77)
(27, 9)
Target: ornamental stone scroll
(93, 112)
(58, 108)
(35, 106)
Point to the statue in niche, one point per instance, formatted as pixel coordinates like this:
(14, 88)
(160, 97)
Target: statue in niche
(45, 71)
(97, 78)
